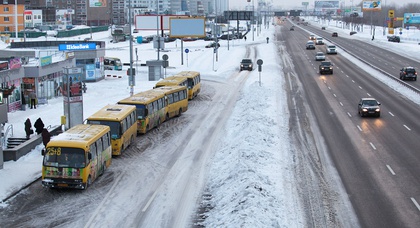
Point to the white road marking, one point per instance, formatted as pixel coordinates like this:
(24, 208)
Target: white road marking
(415, 203)
(373, 146)
(407, 127)
(390, 169)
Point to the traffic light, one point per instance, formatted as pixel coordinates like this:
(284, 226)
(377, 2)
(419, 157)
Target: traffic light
(391, 13)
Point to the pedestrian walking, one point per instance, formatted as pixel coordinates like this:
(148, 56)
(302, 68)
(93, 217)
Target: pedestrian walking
(32, 97)
(245, 38)
(267, 39)
(46, 136)
(39, 125)
(28, 128)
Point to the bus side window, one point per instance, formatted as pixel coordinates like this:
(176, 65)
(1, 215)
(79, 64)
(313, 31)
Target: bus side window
(99, 149)
(176, 97)
(93, 151)
(106, 140)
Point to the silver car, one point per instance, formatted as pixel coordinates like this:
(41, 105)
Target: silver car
(319, 56)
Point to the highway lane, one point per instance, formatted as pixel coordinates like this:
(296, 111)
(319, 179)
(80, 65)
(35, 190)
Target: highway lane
(387, 61)
(381, 195)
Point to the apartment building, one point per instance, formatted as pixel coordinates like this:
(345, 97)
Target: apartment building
(11, 16)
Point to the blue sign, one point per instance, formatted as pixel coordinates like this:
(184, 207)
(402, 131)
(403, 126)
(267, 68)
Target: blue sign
(187, 50)
(77, 47)
(411, 18)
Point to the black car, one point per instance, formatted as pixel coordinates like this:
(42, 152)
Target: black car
(246, 64)
(326, 67)
(213, 44)
(227, 37)
(292, 28)
(394, 39)
(408, 73)
(369, 107)
(334, 34)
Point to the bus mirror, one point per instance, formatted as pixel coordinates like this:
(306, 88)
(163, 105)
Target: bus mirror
(146, 112)
(43, 152)
(89, 156)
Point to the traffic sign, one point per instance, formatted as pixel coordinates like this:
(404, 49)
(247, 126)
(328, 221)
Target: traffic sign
(187, 50)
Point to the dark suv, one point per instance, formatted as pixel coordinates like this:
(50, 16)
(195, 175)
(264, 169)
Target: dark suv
(408, 73)
(246, 64)
(394, 38)
(369, 106)
(326, 67)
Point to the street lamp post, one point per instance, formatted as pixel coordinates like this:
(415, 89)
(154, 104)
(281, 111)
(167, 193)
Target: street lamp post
(16, 20)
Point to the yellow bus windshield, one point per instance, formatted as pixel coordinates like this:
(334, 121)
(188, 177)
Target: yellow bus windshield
(65, 157)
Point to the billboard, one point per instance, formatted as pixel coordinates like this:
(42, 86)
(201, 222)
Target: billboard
(372, 6)
(327, 4)
(187, 27)
(153, 22)
(411, 18)
(97, 3)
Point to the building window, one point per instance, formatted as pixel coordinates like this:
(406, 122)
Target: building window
(6, 29)
(6, 18)
(6, 9)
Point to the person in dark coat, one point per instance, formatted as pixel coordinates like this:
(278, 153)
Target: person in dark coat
(28, 126)
(39, 125)
(32, 97)
(46, 136)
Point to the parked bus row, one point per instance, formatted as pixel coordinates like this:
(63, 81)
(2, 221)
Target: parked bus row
(75, 158)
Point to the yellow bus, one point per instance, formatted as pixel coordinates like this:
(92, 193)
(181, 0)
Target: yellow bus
(150, 107)
(75, 158)
(122, 120)
(176, 100)
(172, 81)
(194, 82)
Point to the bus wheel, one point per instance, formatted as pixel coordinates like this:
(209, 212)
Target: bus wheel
(88, 182)
(180, 112)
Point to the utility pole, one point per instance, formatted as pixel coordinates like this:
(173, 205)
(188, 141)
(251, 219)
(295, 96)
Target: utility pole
(130, 71)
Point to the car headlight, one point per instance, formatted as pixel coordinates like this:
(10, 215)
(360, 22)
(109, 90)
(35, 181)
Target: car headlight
(364, 110)
(378, 110)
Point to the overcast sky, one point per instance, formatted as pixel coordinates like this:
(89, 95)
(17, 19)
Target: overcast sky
(285, 4)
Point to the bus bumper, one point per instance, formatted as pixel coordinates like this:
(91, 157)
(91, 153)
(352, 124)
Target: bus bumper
(63, 183)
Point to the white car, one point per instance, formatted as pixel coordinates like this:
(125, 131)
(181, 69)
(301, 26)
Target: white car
(319, 56)
(319, 41)
(331, 49)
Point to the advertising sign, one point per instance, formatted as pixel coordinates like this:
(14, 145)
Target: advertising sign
(153, 22)
(372, 6)
(327, 5)
(77, 47)
(187, 27)
(411, 18)
(15, 63)
(97, 3)
(47, 60)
